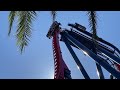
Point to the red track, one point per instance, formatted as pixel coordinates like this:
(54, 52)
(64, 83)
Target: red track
(59, 64)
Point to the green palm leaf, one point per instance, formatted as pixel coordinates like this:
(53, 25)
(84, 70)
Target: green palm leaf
(11, 19)
(24, 29)
(92, 15)
(93, 22)
(24, 26)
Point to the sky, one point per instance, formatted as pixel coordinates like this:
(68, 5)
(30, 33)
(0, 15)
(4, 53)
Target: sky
(37, 62)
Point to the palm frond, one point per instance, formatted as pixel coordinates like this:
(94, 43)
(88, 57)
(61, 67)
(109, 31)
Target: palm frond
(24, 28)
(11, 18)
(53, 13)
(93, 23)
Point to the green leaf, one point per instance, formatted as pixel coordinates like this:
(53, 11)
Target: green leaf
(11, 18)
(24, 26)
(93, 25)
(24, 29)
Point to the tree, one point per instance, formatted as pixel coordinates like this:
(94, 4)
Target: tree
(93, 24)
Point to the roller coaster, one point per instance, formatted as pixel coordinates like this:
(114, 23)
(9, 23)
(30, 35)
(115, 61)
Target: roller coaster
(104, 54)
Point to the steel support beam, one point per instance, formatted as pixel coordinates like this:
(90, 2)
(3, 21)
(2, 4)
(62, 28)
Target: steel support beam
(115, 59)
(81, 68)
(100, 73)
(93, 55)
(98, 67)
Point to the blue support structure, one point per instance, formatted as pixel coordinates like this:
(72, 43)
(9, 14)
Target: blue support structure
(93, 55)
(81, 68)
(89, 34)
(103, 53)
(98, 67)
(115, 59)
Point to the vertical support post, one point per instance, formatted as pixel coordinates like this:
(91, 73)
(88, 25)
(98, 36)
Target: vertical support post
(81, 68)
(94, 56)
(61, 70)
(99, 69)
(100, 73)
(111, 77)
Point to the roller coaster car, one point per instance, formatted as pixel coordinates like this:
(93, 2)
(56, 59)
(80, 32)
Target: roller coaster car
(53, 27)
(81, 27)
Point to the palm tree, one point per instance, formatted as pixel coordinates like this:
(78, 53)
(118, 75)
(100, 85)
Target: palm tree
(24, 26)
(93, 24)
